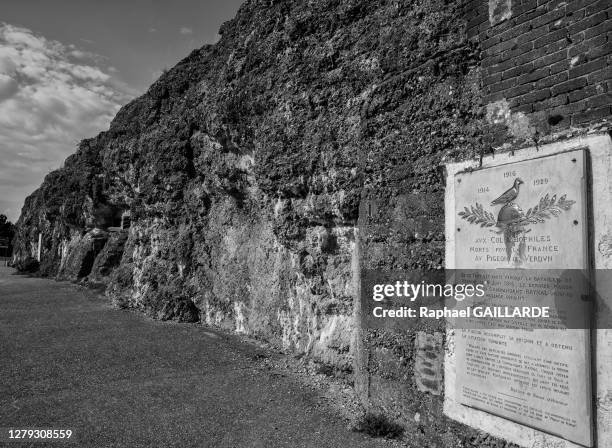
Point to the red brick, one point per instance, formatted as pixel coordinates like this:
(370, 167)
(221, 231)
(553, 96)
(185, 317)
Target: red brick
(492, 59)
(575, 5)
(578, 60)
(525, 108)
(556, 46)
(488, 43)
(559, 66)
(533, 76)
(496, 77)
(577, 38)
(560, 24)
(598, 6)
(598, 52)
(570, 108)
(552, 80)
(530, 14)
(587, 23)
(514, 32)
(580, 94)
(568, 86)
(550, 103)
(530, 56)
(502, 85)
(587, 67)
(517, 71)
(548, 17)
(532, 35)
(525, 6)
(494, 68)
(568, 111)
(518, 90)
(518, 51)
(586, 45)
(549, 38)
(591, 115)
(602, 28)
(605, 99)
(573, 17)
(483, 28)
(503, 26)
(554, 4)
(603, 74)
(531, 97)
(500, 47)
(550, 59)
(488, 61)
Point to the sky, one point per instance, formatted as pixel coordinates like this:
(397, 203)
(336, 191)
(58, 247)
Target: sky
(67, 66)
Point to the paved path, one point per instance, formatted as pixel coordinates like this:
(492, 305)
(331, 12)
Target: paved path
(68, 360)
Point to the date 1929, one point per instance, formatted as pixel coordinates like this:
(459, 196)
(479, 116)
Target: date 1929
(37, 433)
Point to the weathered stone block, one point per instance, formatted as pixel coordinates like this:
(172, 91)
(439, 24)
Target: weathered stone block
(81, 254)
(428, 363)
(109, 257)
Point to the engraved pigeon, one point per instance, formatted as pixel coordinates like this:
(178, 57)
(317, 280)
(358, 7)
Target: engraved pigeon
(510, 194)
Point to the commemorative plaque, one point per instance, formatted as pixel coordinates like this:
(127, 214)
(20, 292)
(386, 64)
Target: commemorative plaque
(522, 217)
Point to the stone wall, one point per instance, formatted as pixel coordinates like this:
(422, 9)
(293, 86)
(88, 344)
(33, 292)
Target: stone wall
(547, 65)
(543, 70)
(263, 173)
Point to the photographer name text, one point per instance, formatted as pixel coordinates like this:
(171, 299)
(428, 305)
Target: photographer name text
(467, 312)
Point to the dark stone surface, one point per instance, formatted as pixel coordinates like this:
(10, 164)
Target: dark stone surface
(244, 167)
(81, 254)
(109, 257)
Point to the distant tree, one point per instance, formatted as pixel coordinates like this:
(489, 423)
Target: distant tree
(7, 231)
(6, 227)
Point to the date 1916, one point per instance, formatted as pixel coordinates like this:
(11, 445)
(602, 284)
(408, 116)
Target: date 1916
(11, 434)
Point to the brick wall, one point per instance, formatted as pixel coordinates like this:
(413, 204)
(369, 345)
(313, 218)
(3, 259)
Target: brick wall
(550, 60)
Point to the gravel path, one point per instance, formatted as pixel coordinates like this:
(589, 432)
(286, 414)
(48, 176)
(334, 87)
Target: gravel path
(118, 379)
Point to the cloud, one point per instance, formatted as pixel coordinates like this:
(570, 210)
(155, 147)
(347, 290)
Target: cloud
(51, 96)
(186, 31)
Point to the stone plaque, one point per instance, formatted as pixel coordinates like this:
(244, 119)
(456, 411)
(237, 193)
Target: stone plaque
(526, 215)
